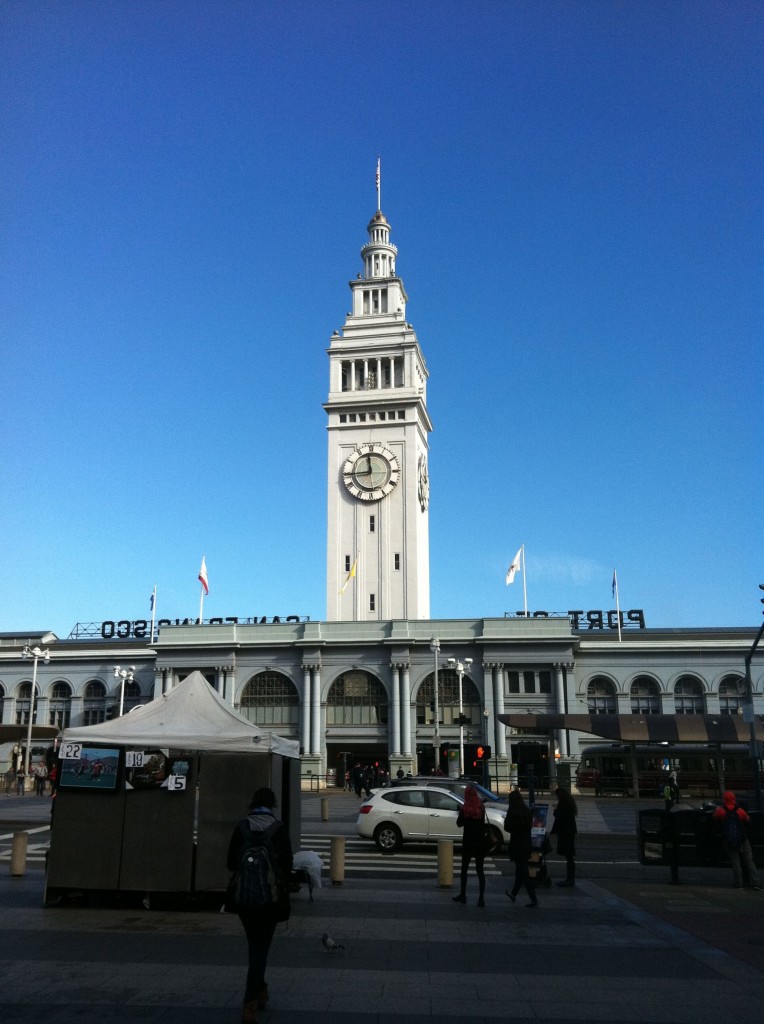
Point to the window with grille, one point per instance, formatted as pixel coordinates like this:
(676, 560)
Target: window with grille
(271, 700)
(356, 698)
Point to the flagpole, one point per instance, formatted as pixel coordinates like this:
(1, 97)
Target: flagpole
(201, 604)
(525, 593)
(617, 605)
(153, 611)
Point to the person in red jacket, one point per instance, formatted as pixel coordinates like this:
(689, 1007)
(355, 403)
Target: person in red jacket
(734, 821)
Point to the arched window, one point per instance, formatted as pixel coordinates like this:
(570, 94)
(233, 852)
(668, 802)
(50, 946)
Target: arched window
(448, 700)
(645, 696)
(731, 695)
(23, 701)
(356, 698)
(270, 700)
(600, 697)
(688, 696)
(60, 705)
(94, 702)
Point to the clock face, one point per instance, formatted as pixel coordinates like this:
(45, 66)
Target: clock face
(371, 472)
(423, 483)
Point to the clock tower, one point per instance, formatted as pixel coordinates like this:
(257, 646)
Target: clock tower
(377, 550)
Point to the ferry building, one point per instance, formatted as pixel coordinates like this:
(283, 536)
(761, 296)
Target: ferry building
(361, 685)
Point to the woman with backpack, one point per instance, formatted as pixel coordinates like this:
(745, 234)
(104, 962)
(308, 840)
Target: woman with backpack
(260, 855)
(471, 818)
(734, 822)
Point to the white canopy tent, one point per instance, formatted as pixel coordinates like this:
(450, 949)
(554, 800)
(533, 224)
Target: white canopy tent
(191, 716)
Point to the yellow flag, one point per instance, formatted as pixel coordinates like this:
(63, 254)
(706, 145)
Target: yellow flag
(350, 576)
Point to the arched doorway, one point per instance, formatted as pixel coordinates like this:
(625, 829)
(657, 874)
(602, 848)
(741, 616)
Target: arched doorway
(356, 728)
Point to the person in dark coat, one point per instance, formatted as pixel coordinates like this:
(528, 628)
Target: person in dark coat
(260, 922)
(564, 828)
(471, 818)
(518, 823)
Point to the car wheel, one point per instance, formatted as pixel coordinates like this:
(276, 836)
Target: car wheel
(493, 840)
(388, 838)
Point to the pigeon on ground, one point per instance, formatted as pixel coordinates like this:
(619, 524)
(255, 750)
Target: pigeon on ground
(329, 943)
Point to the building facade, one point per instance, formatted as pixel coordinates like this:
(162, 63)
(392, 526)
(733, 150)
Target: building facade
(365, 690)
(364, 685)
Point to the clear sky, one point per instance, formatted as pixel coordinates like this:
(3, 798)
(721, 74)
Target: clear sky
(575, 190)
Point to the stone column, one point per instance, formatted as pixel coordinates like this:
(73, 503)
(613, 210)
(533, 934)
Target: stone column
(498, 697)
(395, 711)
(562, 735)
(315, 711)
(406, 711)
(305, 711)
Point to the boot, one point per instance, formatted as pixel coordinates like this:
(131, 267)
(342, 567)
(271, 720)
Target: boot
(249, 1012)
(461, 898)
(262, 999)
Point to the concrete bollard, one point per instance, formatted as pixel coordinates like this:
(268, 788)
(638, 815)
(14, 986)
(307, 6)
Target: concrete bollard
(324, 808)
(445, 863)
(19, 853)
(337, 860)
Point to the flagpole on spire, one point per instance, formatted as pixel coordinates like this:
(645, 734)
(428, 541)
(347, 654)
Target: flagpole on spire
(205, 588)
(617, 605)
(525, 593)
(153, 610)
(379, 184)
(518, 565)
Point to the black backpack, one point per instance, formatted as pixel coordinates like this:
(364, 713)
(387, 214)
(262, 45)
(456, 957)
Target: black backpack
(257, 881)
(733, 828)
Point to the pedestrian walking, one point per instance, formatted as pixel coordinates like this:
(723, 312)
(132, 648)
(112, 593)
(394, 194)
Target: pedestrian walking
(518, 823)
(40, 778)
(471, 818)
(670, 791)
(565, 829)
(734, 822)
(259, 922)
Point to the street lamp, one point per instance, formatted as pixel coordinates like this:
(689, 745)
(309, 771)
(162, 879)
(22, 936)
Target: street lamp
(435, 648)
(126, 675)
(459, 666)
(36, 653)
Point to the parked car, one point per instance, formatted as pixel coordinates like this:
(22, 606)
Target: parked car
(420, 814)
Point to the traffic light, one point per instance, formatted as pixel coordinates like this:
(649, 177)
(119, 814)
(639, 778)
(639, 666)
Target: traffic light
(484, 753)
(463, 720)
(761, 587)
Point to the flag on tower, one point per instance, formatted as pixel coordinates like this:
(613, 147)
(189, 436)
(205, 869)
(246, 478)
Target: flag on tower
(378, 169)
(203, 577)
(514, 567)
(350, 576)
(615, 584)
(153, 598)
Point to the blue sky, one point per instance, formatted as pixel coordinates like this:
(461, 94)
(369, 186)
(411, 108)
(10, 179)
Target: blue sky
(575, 193)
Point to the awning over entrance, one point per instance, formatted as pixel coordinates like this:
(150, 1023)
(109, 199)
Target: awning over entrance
(18, 733)
(646, 728)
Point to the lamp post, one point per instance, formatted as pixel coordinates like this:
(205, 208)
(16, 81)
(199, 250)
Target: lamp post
(459, 667)
(126, 675)
(36, 653)
(435, 648)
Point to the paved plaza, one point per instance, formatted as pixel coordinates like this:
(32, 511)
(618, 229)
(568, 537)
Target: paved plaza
(637, 949)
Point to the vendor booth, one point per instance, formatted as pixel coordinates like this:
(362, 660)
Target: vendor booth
(146, 803)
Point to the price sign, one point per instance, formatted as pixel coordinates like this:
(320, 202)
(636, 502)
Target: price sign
(176, 783)
(134, 759)
(70, 751)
